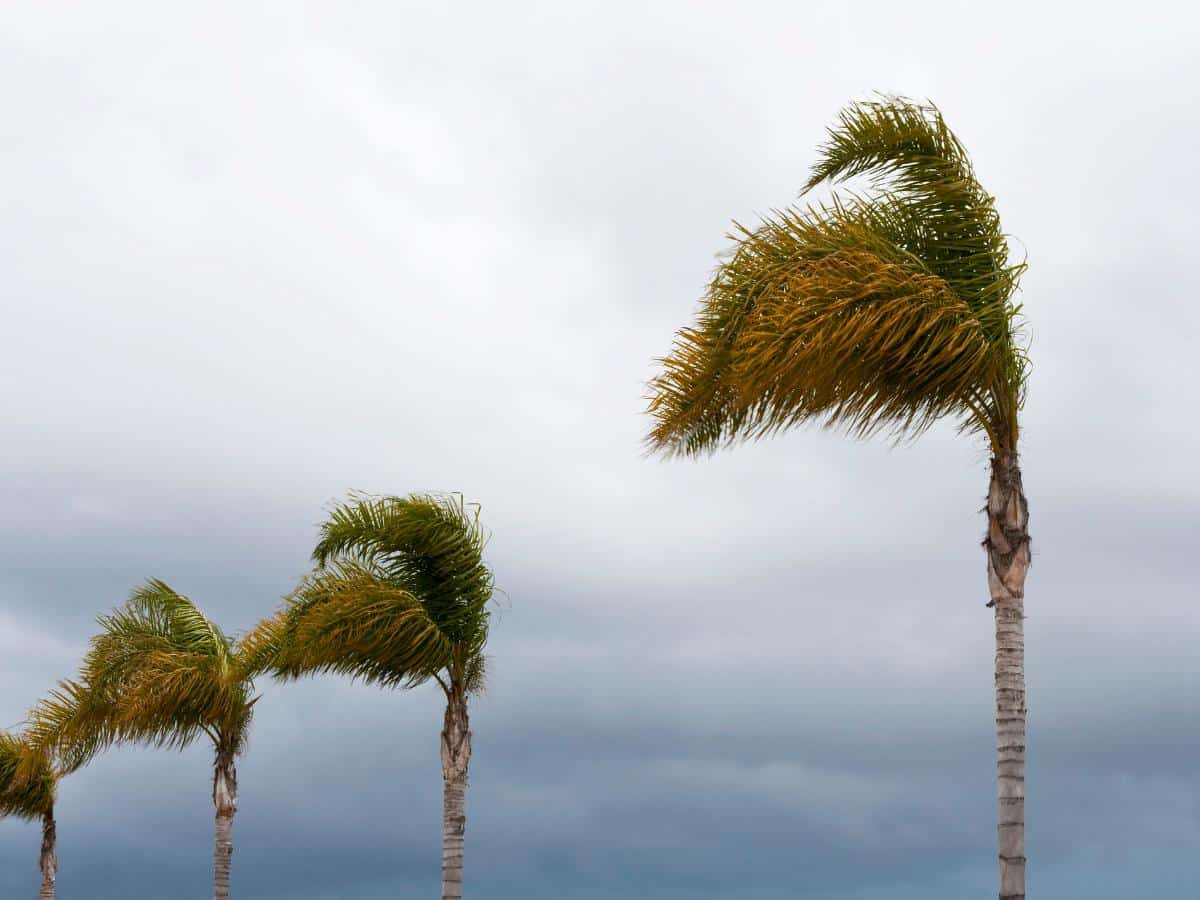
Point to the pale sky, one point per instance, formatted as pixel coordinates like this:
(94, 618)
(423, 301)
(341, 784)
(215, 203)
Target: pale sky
(257, 255)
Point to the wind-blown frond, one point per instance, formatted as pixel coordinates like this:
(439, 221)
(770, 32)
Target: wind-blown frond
(72, 723)
(860, 342)
(259, 649)
(919, 165)
(28, 782)
(928, 247)
(350, 619)
(431, 546)
(890, 136)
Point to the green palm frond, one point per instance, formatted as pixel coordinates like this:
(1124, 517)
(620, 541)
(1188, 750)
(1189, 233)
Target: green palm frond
(429, 545)
(923, 171)
(892, 136)
(155, 610)
(351, 619)
(874, 313)
(28, 782)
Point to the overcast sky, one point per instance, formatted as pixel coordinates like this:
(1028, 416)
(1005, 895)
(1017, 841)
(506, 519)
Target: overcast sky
(253, 256)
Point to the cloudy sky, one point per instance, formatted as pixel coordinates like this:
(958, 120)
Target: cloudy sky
(257, 255)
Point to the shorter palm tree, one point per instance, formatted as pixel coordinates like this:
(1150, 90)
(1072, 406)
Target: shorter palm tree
(400, 597)
(160, 673)
(28, 788)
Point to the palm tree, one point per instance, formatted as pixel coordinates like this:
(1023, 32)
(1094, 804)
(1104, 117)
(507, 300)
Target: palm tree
(878, 312)
(28, 788)
(161, 673)
(399, 597)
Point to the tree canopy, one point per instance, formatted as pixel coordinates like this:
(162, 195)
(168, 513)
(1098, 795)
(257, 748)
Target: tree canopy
(400, 594)
(883, 310)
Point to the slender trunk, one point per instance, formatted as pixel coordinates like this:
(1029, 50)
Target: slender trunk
(456, 757)
(49, 860)
(225, 801)
(1007, 546)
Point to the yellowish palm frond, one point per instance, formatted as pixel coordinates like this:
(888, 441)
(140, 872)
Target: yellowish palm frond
(351, 619)
(858, 342)
(72, 723)
(260, 648)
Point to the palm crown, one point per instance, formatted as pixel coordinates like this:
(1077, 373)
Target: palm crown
(878, 311)
(400, 596)
(159, 672)
(29, 777)
(28, 780)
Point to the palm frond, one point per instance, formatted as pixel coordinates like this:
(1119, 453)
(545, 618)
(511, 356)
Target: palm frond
(157, 614)
(889, 135)
(429, 545)
(923, 172)
(350, 618)
(861, 343)
(73, 724)
(259, 649)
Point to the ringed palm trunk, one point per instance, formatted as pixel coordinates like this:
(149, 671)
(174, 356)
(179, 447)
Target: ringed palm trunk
(1008, 557)
(49, 858)
(456, 758)
(225, 801)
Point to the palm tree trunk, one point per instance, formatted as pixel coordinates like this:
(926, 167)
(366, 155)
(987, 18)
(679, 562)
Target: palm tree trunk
(1008, 557)
(49, 860)
(456, 757)
(225, 801)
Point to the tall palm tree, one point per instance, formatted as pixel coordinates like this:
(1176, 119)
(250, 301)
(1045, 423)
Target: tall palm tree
(161, 673)
(878, 312)
(28, 789)
(399, 597)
